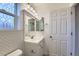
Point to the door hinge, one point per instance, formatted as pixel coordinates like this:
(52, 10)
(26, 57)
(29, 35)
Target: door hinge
(71, 33)
(71, 53)
(71, 13)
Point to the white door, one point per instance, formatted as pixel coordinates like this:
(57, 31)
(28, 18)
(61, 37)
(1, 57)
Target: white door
(60, 42)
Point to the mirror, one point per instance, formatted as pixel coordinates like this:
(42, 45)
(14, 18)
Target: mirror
(31, 24)
(40, 25)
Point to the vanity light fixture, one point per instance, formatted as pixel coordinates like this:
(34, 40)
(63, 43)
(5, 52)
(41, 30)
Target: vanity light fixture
(31, 10)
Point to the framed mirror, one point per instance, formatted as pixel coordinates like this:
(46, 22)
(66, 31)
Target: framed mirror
(31, 24)
(40, 24)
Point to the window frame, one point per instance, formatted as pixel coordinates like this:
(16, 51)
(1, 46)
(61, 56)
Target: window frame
(11, 14)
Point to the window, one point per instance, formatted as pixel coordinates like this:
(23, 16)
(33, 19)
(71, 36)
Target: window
(7, 15)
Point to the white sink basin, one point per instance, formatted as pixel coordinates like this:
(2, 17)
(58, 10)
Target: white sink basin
(36, 39)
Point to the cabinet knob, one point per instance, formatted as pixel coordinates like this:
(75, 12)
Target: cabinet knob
(32, 51)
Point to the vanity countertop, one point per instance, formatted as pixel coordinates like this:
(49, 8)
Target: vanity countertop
(36, 39)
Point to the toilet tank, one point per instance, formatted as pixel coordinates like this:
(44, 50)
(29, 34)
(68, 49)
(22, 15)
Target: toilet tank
(17, 52)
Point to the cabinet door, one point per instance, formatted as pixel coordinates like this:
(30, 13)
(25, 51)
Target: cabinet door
(32, 49)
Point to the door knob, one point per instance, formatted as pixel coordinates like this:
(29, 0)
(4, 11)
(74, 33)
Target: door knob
(50, 36)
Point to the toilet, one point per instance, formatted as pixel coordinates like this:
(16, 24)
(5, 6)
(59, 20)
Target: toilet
(17, 52)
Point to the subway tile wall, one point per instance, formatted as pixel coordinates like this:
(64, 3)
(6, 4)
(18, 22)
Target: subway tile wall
(10, 41)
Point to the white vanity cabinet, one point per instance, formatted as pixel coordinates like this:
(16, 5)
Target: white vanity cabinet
(34, 47)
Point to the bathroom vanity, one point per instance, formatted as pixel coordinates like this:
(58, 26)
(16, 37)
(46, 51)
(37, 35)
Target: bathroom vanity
(34, 46)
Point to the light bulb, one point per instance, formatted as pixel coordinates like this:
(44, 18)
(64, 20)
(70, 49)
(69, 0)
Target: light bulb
(31, 8)
(28, 6)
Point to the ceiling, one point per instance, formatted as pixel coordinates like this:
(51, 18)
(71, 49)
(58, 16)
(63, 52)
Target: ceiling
(45, 7)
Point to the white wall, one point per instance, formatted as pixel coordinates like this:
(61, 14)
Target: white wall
(46, 16)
